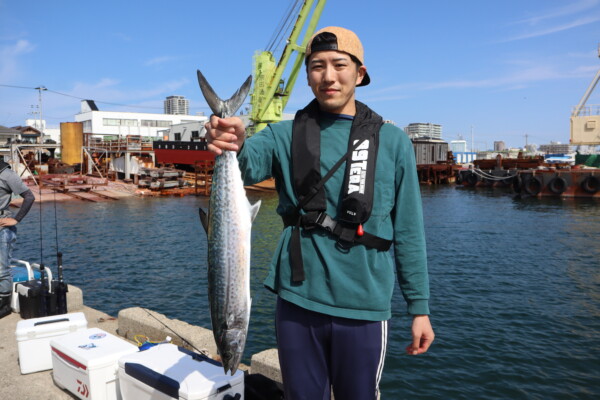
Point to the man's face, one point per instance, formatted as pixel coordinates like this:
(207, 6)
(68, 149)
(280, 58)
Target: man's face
(333, 76)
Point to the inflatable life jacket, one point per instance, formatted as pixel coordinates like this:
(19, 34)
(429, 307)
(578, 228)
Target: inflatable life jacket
(358, 186)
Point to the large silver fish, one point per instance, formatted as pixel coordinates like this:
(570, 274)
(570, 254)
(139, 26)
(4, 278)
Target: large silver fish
(228, 225)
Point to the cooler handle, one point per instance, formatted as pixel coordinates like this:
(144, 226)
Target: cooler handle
(51, 321)
(69, 361)
(27, 266)
(155, 380)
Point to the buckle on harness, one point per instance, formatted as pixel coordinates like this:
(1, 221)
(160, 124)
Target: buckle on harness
(319, 219)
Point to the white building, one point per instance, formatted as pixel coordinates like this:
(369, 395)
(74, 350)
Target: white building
(114, 123)
(186, 132)
(556, 148)
(458, 146)
(422, 130)
(177, 105)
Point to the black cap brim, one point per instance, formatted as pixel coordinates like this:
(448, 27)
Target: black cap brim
(366, 80)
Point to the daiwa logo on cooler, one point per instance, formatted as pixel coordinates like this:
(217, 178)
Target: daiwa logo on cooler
(358, 168)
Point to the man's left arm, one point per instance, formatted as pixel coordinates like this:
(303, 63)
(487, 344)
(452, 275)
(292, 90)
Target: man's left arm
(410, 249)
(28, 200)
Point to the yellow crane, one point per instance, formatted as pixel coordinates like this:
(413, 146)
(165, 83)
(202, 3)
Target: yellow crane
(271, 91)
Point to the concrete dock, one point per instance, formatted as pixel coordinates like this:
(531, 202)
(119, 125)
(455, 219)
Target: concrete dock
(128, 323)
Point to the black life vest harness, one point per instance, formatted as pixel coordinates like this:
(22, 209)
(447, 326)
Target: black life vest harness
(358, 187)
(3, 165)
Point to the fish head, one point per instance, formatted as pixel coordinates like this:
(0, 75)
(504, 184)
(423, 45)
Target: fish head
(232, 350)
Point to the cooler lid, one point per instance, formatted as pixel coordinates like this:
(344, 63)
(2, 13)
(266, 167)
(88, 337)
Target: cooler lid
(174, 370)
(36, 328)
(29, 288)
(91, 348)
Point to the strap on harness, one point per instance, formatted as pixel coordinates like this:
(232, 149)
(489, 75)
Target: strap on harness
(346, 234)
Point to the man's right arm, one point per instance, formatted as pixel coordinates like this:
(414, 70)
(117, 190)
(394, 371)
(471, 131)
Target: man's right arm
(225, 134)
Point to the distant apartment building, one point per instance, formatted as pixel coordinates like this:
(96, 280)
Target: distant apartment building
(423, 130)
(177, 105)
(129, 123)
(555, 148)
(499, 146)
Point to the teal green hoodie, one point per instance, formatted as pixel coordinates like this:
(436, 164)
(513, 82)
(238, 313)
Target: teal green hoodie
(358, 282)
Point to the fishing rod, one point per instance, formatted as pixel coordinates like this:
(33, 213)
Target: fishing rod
(44, 308)
(44, 304)
(184, 340)
(61, 288)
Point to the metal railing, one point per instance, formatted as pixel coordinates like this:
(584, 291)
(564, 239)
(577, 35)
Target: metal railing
(586, 111)
(122, 143)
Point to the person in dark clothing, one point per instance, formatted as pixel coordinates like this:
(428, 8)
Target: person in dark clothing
(10, 183)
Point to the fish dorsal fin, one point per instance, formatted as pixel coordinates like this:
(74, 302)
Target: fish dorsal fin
(220, 108)
(254, 210)
(204, 219)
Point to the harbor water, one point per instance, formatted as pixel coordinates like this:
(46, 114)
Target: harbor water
(515, 284)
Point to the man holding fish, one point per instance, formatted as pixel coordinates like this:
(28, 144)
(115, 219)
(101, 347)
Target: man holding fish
(348, 192)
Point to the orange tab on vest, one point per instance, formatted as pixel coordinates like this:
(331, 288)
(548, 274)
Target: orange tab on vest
(359, 230)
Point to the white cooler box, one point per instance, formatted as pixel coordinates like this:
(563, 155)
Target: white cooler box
(86, 362)
(168, 372)
(34, 335)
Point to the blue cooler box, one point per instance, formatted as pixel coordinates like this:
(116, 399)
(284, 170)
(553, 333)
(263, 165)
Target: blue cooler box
(167, 372)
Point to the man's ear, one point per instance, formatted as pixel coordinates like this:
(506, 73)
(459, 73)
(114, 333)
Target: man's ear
(362, 71)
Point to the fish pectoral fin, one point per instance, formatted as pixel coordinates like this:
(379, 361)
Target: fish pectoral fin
(254, 210)
(219, 107)
(203, 219)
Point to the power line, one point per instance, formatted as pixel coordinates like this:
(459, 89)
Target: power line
(96, 101)
(81, 98)
(105, 102)
(18, 87)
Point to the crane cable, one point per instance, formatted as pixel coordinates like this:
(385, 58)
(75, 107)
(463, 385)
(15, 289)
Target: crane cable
(283, 27)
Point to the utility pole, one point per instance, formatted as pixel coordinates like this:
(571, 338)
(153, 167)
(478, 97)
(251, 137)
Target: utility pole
(40, 89)
(472, 143)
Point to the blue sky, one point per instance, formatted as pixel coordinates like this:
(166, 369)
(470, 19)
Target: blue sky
(501, 69)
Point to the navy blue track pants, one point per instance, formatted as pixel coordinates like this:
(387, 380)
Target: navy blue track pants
(318, 352)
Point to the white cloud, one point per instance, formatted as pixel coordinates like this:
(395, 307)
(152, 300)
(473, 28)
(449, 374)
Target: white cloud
(108, 90)
(122, 36)
(570, 16)
(512, 81)
(158, 60)
(572, 8)
(9, 54)
(554, 29)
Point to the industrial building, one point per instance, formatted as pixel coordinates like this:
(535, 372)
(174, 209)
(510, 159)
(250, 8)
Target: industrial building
(119, 123)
